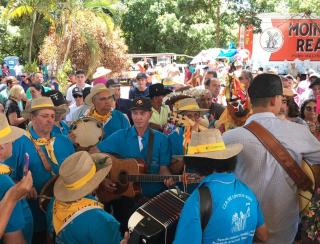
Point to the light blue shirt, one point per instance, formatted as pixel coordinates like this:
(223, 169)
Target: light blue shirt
(125, 143)
(62, 147)
(256, 167)
(234, 217)
(117, 122)
(93, 226)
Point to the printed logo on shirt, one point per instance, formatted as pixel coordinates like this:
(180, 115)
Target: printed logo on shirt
(239, 221)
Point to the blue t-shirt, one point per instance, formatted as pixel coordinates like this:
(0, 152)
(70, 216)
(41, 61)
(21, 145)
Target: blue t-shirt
(93, 226)
(62, 147)
(117, 122)
(236, 213)
(62, 130)
(17, 220)
(125, 143)
(135, 93)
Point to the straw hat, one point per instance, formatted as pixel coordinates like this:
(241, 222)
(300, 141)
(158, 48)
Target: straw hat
(101, 71)
(80, 174)
(8, 133)
(209, 144)
(42, 103)
(189, 104)
(95, 90)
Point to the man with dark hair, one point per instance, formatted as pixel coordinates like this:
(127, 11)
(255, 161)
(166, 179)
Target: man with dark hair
(80, 82)
(276, 191)
(234, 214)
(141, 89)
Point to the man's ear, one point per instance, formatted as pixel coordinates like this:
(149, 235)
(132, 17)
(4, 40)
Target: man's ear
(273, 101)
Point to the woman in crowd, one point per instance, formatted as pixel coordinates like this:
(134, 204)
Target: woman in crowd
(36, 90)
(308, 114)
(14, 107)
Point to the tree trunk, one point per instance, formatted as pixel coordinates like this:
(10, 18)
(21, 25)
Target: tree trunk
(69, 42)
(34, 18)
(218, 29)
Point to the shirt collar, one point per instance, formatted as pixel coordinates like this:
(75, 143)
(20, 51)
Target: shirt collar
(222, 177)
(133, 132)
(260, 115)
(35, 135)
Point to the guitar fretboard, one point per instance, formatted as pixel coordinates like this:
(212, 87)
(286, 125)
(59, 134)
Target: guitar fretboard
(153, 178)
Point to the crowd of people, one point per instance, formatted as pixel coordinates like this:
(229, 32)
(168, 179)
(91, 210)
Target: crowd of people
(200, 126)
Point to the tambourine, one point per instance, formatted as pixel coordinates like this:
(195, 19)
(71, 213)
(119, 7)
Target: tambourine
(87, 132)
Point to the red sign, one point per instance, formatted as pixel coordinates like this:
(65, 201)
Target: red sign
(300, 39)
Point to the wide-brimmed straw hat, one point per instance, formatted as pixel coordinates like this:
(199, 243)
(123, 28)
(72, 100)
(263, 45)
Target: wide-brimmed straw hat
(95, 90)
(101, 71)
(8, 133)
(80, 174)
(42, 103)
(189, 104)
(209, 144)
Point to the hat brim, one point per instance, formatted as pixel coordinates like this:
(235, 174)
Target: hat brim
(59, 109)
(201, 110)
(105, 72)
(63, 194)
(14, 135)
(164, 92)
(230, 151)
(89, 97)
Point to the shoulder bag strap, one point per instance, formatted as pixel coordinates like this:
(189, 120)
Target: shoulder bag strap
(281, 154)
(43, 158)
(150, 146)
(205, 206)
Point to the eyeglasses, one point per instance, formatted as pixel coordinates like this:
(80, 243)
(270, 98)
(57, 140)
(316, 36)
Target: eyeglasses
(311, 109)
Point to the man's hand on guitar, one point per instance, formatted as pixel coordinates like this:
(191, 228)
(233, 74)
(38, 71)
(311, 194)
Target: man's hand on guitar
(169, 182)
(109, 185)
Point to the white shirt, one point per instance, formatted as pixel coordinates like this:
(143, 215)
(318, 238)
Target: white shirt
(275, 190)
(72, 108)
(140, 143)
(69, 96)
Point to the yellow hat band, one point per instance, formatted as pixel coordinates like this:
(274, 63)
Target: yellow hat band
(190, 107)
(43, 105)
(5, 131)
(219, 146)
(82, 181)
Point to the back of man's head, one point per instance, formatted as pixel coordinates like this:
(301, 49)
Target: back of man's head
(264, 86)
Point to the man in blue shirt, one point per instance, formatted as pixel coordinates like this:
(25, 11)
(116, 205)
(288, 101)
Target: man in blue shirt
(133, 143)
(19, 225)
(234, 215)
(46, 152)
(141, 89)
(102, 101)
(74, 215)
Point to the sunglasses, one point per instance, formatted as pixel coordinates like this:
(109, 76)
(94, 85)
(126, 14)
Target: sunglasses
(77, 96)
(311, 109)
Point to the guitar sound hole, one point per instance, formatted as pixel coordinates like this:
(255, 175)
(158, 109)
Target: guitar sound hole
(123, 178)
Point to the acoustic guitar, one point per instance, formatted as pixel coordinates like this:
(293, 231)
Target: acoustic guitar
(313, 172)
(127, 174)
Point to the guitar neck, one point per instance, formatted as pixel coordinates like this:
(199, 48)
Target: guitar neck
(153, 178)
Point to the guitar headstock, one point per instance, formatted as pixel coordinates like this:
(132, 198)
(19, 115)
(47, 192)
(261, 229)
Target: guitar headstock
(190, 178)
(180, 120)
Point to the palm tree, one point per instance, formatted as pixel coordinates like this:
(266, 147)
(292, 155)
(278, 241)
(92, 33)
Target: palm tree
(31, 8)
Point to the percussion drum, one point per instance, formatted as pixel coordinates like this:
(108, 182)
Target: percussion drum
(155, 221)
(87, 131)
(46, 194)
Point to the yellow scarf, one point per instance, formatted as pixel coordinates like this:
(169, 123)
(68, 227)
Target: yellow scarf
(186, 138)
(63, 211)
(102, 118)
(4, 169)
(47, 143)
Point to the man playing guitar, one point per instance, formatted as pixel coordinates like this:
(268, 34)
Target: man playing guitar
(134, 143)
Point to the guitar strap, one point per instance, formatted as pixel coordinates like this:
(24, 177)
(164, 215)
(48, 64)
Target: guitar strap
(281, 154)
(205, 206)
(150, 146)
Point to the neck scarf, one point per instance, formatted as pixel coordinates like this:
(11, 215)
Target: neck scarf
(102, 118)
(186, 139)
(48, 145)
(62, 211)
